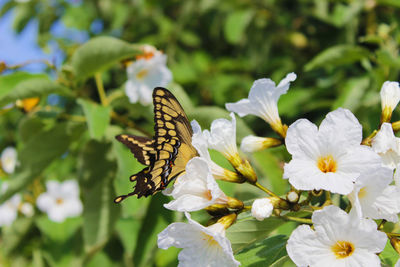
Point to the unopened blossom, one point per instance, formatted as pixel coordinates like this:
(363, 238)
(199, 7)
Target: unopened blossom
(390, 95)
(262, 208)
(147, 72)
(9, 159)
(387, 145)
(337, 239)
(61, 200)
(201, 246)
(222, 136)
(9, 209)
(196, 189)
(329, 158)
(263, 100)
(253, 143)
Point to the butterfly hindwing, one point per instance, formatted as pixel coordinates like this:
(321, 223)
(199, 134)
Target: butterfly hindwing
(172, 146)
(141, 147)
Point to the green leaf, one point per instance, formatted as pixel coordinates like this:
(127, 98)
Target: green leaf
(97, 170)
(39, 151)
(157, 218)
(264, 253)
(236, 24)
(352, 93)
(14, 235)
(100, 259)
(98, 54)
(22, 85)
(394, 3)
(389, 256)
(58, 232)
(248, 231)
(128, 231)
(97, 117)
(336, 56)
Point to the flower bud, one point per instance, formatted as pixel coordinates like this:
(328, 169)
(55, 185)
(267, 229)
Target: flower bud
(292, 196)
(390, 97)
(262, 208)
(228, 220)
(253, 143)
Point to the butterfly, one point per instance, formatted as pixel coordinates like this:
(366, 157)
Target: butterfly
(167, 153)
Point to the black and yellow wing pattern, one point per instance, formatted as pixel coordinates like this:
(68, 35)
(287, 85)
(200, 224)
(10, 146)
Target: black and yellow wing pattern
(167, 154)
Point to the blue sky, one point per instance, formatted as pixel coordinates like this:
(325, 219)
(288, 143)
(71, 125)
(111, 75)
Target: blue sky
(18, 48)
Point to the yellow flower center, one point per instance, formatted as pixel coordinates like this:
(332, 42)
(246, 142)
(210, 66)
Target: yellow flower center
(362, 193)
(327, 164)
(209, 240)
(59, 201)
(342, 249)
(146, 56)
(141, 74)
(208, 195)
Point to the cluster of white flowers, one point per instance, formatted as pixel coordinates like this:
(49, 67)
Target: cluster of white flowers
(333, 158)
(149, 70)
(60, 201)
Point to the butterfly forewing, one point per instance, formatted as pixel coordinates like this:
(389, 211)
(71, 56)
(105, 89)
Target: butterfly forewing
(172, 146)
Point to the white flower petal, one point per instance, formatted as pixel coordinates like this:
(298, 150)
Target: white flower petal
(9, 159)
(387, 145)
(144, 75)
(61, 200)
(202, 246)
(342, 127)
(222, 136)
(196, 189)
(263, 99)
(334, 228)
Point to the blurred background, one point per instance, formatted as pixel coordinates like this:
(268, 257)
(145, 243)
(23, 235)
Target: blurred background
(341, 51)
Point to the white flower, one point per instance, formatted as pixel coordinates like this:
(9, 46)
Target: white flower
(199, 141)
(390, 95)
(329, 158)
(144, 74)
(387, 145)
(263, 100)
(374, 198)
(202, 246)
(222, 136)
(338, 239)
(9, 159)
(27, 209)
(196, 189)
(61, 200)
(9, 209)
(397, 176)
(262, 208)
(397, 264)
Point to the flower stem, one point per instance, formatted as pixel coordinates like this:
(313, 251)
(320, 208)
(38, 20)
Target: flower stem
(296, 219)
(266, 190)
(100, 89)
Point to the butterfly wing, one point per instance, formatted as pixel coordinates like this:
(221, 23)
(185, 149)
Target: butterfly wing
(141, 147)
(172, 146)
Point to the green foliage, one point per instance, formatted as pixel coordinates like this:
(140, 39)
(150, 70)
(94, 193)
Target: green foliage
(341, 51)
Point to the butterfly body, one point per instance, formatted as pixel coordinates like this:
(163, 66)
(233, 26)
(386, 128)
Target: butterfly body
(167, 153)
